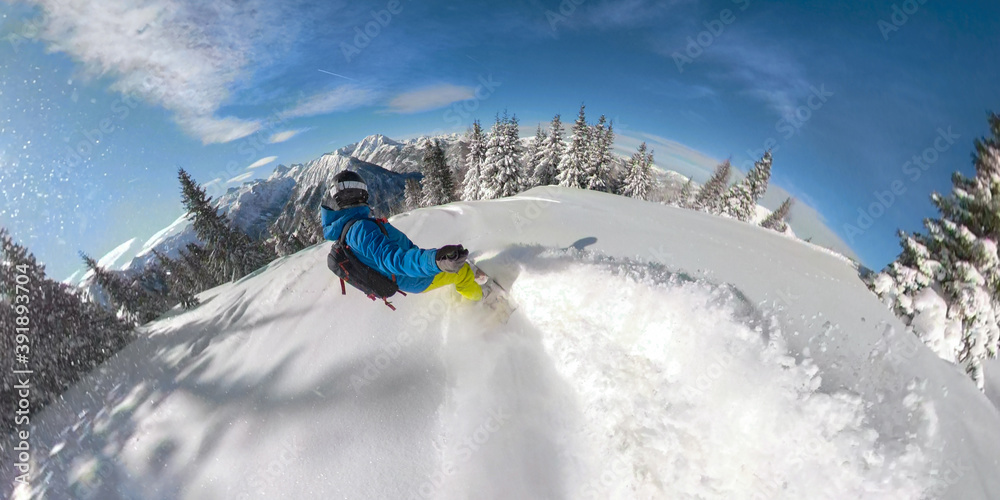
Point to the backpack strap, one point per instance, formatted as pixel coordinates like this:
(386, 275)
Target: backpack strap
(381, 225)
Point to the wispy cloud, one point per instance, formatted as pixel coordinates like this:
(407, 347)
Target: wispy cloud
(183, 56)
(428, 98)
(261, 162)
(240, 178)
(615, 14)
(768, 72)
(284, 136)
(343, 98)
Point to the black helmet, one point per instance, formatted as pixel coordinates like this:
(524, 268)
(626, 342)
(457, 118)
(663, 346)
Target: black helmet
(349, 190)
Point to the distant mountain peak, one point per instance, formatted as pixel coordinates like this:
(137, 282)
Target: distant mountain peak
(367, 145)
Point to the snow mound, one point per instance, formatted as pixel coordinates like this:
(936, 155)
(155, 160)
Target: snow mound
(685, 394)
(645, 361)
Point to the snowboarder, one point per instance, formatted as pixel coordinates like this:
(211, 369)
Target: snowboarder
(382, 247)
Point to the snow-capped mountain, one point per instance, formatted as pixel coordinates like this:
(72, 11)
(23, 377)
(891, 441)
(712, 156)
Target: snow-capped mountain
(288, 195)
(644, 361)
(408, 155)
(291, 195)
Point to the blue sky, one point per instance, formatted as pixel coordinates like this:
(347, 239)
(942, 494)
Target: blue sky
(100, 106)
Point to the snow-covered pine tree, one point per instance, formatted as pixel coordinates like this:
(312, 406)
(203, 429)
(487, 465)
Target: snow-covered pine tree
(414, 194)
(474, 163)
(124, 302)
(547, 167)
(711, 196)
(489, 168)
(502, 169)
(599, 155)
(533, 156)
(68, 335)
(196, 261)
(233, 254)
(639, 177)
(684, 198)
(438, 188)
(776, 219)
(946, 283)
(574, 163)
(182, 285)
(741, 201)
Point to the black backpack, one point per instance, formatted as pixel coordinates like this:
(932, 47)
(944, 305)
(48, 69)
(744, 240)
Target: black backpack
(347, 267)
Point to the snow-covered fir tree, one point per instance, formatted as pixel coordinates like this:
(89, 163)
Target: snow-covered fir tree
(413, 194)
(686, 196)
(196, 261)
(124, 294)
(533, 156)
(711, 197)
(574, 163)
(550, 154)
(69, 336)
(438, 187)
(741, 201)
(474, 163)
(639, 176)
(182, 284)
(776, 219)
(601, 140)
(233, 254)
(946, 282)
(502, 170)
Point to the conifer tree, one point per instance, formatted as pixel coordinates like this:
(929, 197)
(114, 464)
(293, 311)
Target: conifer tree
(711, 196)
(233, 254)
(776, 219)
(533, 157)
(182, 284)
(123, 301)
(599, 166)
(639, 177)
(414, 194)
(955, 261)
(547, 167)
(438, 188)
(474, 163)
(684, 199)
(67, 335)
(741, 202)
(502, 169)
(573, 166)
(196, 261)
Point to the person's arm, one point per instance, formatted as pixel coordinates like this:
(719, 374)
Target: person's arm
(366, 238)
(326, 220)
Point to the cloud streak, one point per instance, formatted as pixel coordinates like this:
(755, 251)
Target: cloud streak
(184, 56)
(261, 162)
(428, 98)
(343, 98)
(283, 136)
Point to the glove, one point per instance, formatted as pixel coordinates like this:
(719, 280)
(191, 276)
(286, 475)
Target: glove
(451, 258)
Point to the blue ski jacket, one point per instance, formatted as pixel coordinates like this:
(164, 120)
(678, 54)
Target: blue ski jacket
(390, 255)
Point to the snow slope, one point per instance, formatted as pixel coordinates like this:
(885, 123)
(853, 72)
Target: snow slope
(656, 353)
